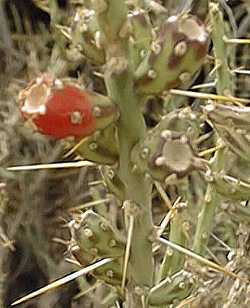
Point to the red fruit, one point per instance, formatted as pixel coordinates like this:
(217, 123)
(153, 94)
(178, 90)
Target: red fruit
(58, 110)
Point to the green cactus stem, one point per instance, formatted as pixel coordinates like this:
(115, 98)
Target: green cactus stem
(118, 76)
(232, 125)
(230, 115)
(231, 188)
(205, 218)
(173, 288)
(223, 87)
(104, 110)
(173, 261)
(113, 182)
(223, 73)
(110, 273)
(233, 180)
(102, 147)
(141, 38)
(86, 37)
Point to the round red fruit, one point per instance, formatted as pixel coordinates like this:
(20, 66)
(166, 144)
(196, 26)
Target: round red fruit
(56, 109)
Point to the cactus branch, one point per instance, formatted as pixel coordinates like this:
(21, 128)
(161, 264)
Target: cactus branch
(173, 260)
(118, 77)
(223, 87)
(205, 220)
(223, 74)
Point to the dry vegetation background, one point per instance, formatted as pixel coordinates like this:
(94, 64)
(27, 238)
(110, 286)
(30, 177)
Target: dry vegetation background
(35, 205)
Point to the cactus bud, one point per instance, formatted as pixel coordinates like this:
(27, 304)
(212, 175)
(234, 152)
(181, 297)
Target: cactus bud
(182, 46)
(65, 110)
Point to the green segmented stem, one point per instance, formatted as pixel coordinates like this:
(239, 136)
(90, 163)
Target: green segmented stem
(142, 35)
(112, 19)
(223, 87)
(174, 261)
(223, 74)
(86, 39)
(205, 220)
(172, 288)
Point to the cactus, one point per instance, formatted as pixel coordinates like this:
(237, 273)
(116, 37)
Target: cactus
(85, 35)
(100, 147)
(176, 171)
(161, 153)
(231, 123)
(95, 236)
(175, 287)
(64, 111)
(177, 54)
(95, 239)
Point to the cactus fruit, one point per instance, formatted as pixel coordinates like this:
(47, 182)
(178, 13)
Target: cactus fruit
(176, 55)
(65, 110)
(166, 152)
